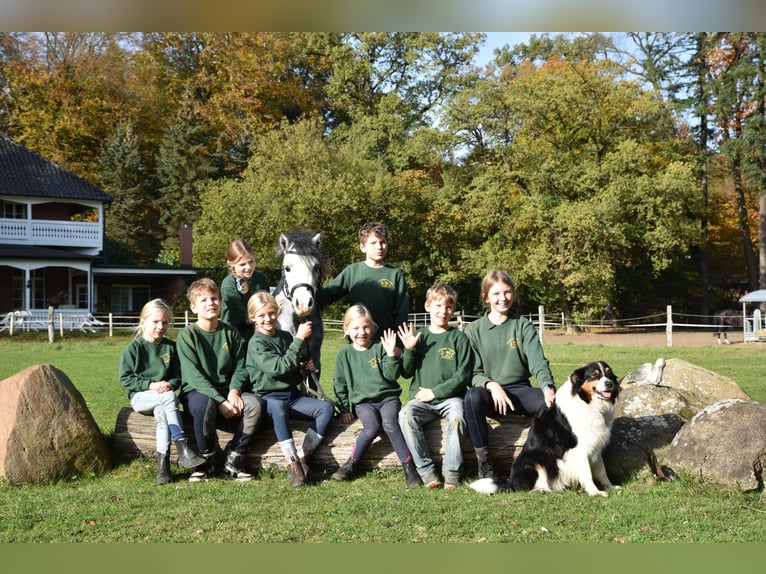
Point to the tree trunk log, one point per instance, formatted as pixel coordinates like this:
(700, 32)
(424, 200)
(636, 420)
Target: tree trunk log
(134, 435)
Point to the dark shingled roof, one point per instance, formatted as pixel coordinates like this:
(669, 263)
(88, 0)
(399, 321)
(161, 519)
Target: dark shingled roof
(25, 173)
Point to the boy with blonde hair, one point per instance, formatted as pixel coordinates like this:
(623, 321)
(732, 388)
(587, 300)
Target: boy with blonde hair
(439, 359)
(215, 385)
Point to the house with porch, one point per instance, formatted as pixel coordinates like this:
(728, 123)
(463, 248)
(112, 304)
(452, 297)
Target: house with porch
(52, 242)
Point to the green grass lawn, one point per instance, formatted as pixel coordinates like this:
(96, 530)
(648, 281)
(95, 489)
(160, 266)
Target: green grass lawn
(126, 506)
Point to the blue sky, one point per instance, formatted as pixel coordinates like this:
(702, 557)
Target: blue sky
(498, 40)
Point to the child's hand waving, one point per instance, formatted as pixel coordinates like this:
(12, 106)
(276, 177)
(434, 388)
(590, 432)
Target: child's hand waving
(408, 336)
(388, 340)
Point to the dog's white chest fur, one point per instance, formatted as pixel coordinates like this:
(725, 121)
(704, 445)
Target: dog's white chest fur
(591, 423)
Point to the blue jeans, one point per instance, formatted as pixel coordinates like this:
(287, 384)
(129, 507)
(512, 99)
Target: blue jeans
(283, 405)
(164, 407)
(207, 418)
(374, 418)
(415, 414)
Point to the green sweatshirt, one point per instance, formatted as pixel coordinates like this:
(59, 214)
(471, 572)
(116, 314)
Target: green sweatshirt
(382, 290)
(441, 362)
(273, 361)
(234, 302)
(508, 353)
(212, 363)
(367, 376)
(142, 362)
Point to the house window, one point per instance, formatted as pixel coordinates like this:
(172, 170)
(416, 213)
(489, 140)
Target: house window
(129, 298)
(17, 290)
(81, 296)
(12, 210)
(38, 289)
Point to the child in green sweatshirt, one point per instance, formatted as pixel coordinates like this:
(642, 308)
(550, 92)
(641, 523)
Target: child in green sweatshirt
(439, 359)
(216, 389)
(366, 385)
(151, 373)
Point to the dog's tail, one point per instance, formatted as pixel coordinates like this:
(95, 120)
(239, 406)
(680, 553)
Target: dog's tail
(491, 485)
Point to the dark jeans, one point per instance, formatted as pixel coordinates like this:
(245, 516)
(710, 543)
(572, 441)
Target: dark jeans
(207, 418)
(374, 418)
(527, 400)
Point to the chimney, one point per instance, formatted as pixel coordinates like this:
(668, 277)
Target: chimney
(186, 241)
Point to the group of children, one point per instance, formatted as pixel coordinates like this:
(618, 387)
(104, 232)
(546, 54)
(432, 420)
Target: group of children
(234, 365)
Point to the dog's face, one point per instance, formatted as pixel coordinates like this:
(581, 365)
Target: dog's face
(595, 381)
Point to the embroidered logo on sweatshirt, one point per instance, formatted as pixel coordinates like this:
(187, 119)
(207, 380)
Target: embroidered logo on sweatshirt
(446, 353)
(513, 343)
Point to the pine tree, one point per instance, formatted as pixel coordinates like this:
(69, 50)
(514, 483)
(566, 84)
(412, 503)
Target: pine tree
(130, 218)
(183, 164)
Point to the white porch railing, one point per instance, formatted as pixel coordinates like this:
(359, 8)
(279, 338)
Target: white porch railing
(51, 232)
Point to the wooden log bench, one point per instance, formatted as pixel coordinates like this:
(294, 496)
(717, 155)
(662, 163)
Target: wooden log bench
(134, 435)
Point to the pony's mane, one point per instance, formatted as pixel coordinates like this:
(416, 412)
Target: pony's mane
(300, 241)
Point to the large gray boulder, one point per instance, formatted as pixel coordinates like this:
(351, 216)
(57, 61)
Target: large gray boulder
(681, 388)
(725, 442)
(655, 402)
(46, 430)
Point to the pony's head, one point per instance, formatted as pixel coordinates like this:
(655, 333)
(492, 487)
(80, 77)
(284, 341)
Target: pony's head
(301, 268)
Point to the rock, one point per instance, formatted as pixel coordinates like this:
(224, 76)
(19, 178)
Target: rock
(654, 403)
(683, 389)
(46, 430)
(725, 442)
(638, 444)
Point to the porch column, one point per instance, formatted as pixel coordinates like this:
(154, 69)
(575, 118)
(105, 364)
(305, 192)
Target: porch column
(27, 288)
(91, 308)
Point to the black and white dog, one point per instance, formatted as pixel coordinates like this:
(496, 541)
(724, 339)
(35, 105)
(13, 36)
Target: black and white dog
(565, 442)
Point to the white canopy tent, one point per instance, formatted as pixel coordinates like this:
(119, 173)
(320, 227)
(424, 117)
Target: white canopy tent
(753, 326)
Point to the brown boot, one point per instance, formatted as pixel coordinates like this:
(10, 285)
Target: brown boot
(295, 473)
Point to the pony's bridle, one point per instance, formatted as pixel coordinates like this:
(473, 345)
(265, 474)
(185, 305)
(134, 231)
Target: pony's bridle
(289, 291)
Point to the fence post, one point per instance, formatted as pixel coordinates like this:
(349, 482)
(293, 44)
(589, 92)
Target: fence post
(111, 324)
(51, 330)
(541, 315)
(669, 325)
(11, 324)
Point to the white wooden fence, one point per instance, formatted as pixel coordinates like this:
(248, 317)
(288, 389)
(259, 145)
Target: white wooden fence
(63, 320)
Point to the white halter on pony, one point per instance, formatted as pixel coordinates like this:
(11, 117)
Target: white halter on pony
(297, 293)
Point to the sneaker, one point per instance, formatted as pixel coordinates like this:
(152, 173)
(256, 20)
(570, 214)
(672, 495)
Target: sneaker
(431, 480)
(485, 468)
(234, 468)
(451, 482)
(199, 475)
(205, 470)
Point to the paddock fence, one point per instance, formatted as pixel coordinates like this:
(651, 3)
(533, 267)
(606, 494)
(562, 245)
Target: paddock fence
(63, 321)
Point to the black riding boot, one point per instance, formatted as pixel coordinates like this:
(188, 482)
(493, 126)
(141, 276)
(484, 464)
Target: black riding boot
(163, 468)
(345, 471)
(411, 474)
(187, 458)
